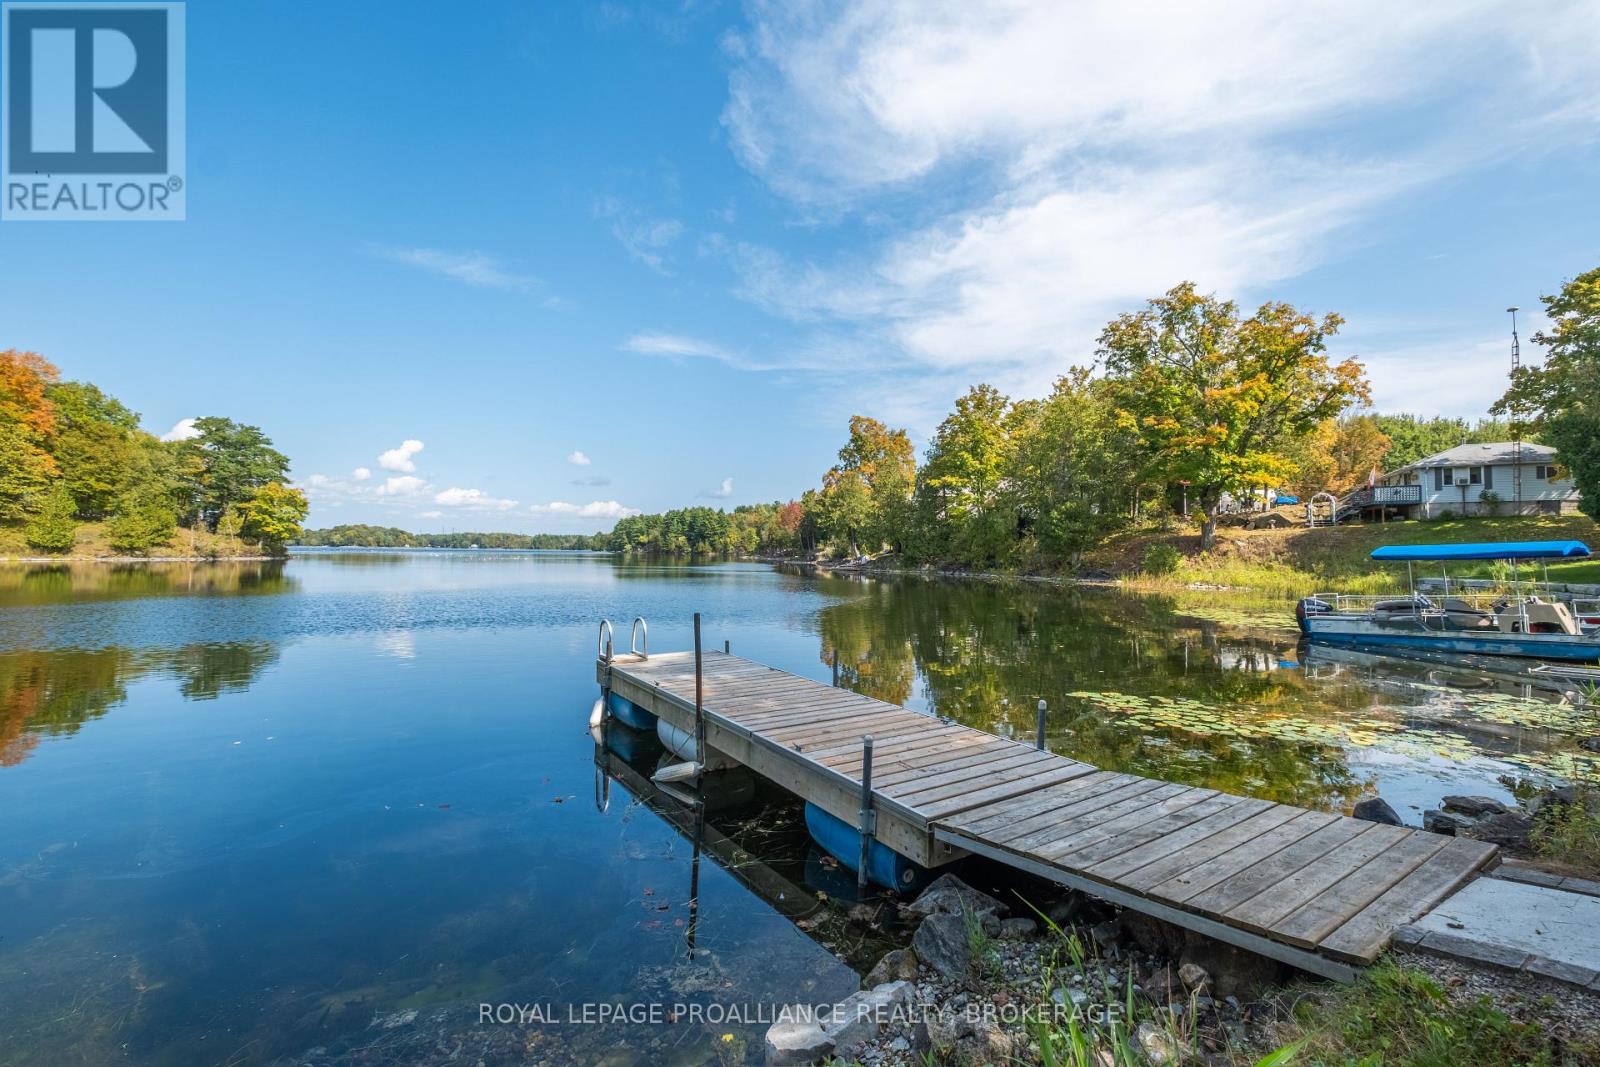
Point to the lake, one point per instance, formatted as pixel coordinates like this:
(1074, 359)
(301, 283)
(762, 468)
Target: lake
(321, 810)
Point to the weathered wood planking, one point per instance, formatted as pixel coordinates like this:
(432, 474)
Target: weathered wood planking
(1318, 890)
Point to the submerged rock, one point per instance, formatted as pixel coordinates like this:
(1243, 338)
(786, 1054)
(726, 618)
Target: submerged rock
(1376, 809)
(1473, 806)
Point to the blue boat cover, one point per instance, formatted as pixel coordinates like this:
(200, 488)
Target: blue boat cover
(1486, 550)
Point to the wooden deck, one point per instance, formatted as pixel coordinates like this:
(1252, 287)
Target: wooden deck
(1316, 890)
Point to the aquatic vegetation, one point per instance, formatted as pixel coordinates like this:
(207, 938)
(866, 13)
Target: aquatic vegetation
(1398, 731)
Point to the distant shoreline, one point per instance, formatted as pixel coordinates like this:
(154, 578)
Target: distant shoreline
(140, 559)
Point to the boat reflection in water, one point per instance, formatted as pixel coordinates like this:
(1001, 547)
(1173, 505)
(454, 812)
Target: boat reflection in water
(1526, 619)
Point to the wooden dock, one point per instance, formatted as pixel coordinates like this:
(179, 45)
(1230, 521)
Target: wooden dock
(1319, 891)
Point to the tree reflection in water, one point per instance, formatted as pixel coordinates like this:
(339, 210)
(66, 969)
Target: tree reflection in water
(984, 654)
(53, 693)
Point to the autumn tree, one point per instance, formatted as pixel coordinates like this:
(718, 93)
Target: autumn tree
(1216, 399)
(27, 419)
(1561, 398)
(866, 496)
(1338, 455)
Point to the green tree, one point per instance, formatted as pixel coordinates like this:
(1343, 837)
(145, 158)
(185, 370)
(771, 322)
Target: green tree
(54, 528)
(1217, 399)
(144, 519)
(1562, 397)
(94, 445)
(1412, 438)
(25, 474)
(1070, 465)
(226, 464)
(272, 514)
(962, 511)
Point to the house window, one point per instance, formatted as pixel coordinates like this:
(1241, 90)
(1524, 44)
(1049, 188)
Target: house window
(1474, 475)
(1547, 473)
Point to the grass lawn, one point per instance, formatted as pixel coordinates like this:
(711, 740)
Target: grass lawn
(92, 543)
(1294, 562)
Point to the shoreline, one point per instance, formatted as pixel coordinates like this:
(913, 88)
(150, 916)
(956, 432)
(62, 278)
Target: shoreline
(139, 559)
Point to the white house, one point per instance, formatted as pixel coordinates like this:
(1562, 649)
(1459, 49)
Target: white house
(1481, 480)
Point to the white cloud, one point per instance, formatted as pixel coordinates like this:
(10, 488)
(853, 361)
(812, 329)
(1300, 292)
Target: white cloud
(596, 509)
(430, 515)
(675, 346)
(471, 268)
(183, 430)
(318, 481)
(472, 499)
(1068, 161)
(645, 239)
(721, 492)
(578, 459)
(403, 485)
(399, 459)
(361, 474)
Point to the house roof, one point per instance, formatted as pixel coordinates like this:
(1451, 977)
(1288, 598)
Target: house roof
(1499, 452)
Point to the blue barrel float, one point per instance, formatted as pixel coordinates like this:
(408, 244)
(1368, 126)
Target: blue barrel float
(885, 866)
(628, 713)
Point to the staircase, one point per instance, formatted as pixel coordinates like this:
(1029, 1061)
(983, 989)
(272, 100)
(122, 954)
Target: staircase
(1325, 509)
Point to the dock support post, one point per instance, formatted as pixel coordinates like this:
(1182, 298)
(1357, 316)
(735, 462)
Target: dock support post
(836, 668)
(1039, 741)
(699, 699)
(727, 647)
(868, 817)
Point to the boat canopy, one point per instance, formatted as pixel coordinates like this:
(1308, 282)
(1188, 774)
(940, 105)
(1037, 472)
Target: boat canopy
(1485, 550)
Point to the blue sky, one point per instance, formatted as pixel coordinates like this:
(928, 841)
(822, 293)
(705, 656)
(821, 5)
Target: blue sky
(638, 256)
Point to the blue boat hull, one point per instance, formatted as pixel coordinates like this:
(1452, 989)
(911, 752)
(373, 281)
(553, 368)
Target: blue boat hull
(885, 866)
(628, 713)
(1532, 647)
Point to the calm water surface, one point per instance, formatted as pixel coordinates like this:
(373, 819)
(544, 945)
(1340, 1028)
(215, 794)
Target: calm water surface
(319, 811)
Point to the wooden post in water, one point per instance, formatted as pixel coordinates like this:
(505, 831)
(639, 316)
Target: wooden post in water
(868, 827)
(727, 647)
(1040, 740)
(836, 668)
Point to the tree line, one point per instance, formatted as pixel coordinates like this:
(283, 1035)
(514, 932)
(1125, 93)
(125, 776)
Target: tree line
(360, 535)
(71, 454)
(1188, 404)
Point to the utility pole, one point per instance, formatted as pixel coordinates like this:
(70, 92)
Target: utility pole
(1516, 417)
